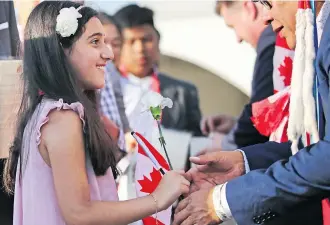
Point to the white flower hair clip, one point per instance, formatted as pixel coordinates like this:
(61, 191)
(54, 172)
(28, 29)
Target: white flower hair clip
(67, 21)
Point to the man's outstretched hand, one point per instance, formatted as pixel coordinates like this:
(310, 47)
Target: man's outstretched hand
(215, 168)
(197, 209)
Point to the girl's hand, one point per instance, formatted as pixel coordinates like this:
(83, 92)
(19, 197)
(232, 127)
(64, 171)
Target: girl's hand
(172, 185)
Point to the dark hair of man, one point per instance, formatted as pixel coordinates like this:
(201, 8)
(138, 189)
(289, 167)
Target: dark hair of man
(220, 4)
(133, 16)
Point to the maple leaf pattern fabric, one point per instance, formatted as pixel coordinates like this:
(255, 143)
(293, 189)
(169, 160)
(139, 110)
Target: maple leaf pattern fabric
(148, 177)
(270, 116)
(286, 71)
(283, 59)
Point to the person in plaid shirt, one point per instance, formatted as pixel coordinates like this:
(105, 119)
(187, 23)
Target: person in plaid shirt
(112, 105)
(109, 107)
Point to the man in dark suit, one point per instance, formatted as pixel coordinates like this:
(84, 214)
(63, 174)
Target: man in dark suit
(9, 39)
(245, 18)
(282, 192)
(139, 59)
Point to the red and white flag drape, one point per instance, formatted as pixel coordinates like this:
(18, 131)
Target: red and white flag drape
(270, 116)
(149, 162)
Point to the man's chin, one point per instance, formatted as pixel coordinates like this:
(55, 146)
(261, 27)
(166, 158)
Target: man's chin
(291, 42)
(141, 72)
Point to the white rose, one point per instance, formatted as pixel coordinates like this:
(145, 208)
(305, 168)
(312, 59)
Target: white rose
(67, 21)
(154, 99)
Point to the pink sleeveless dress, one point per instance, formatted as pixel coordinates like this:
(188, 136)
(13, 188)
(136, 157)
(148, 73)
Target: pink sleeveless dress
(35, 201)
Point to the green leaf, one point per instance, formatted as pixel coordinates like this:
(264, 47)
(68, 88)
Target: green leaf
(156, 112)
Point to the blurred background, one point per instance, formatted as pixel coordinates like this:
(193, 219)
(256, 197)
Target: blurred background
(196, 46)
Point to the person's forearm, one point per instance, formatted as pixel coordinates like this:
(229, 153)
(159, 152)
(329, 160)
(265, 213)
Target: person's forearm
(105, 213)
(261, 156)
(286, 184)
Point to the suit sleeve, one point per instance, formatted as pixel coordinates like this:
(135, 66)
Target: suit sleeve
(193, 111)
(245, 133)
(302, 179)
(261, 156)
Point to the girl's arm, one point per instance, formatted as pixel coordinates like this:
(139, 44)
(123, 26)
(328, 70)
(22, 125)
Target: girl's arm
(62, 138)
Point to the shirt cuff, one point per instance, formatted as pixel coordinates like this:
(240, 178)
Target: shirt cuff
(246, 163)
(220, 203)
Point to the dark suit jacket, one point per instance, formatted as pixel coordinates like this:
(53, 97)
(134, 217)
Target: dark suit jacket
(185, 114)
(9, 39)
(244, 133)
(301, 181)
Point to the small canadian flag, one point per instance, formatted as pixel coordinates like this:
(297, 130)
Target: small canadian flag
(150, 167)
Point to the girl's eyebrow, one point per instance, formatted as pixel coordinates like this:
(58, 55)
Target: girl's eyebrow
(96, 34)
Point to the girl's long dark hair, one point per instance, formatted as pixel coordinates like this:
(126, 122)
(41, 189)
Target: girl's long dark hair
(47, 68)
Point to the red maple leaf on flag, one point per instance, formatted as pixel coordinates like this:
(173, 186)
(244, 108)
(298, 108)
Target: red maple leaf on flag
(148, 186)
(151, 221)
(286, 70)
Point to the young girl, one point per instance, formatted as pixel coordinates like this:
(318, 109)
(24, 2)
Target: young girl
(61, 166)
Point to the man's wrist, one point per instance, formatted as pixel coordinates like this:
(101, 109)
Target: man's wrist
(220, 202)
(211, 206)
(246, 163)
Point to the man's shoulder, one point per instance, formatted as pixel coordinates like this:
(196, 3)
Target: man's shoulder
(324, 47)
(267, 40)
(169, 80)
(325, 34)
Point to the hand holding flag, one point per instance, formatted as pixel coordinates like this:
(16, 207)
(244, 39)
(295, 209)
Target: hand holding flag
(149, 170)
